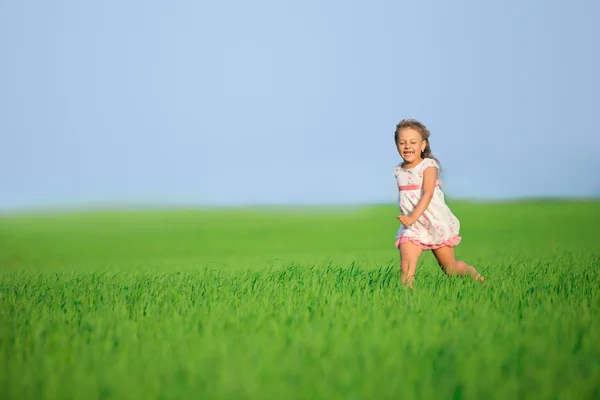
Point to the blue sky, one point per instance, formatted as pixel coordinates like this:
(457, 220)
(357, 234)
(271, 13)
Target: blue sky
(275, 102)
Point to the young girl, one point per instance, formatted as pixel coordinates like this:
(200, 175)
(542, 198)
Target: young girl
(427, 222)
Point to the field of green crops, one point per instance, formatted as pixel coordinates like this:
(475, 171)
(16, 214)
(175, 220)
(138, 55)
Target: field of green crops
(303, 303)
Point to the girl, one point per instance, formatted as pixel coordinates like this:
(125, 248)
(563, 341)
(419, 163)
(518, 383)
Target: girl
(427, 222)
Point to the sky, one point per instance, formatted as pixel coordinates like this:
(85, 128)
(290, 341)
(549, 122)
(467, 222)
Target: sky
(194, 103)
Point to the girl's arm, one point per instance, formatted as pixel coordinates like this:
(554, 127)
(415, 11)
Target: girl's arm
(429, 179)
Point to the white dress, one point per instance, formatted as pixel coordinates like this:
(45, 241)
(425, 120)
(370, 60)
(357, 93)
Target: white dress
(437, 227)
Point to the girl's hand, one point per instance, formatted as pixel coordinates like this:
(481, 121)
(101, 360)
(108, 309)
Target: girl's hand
(406, 220)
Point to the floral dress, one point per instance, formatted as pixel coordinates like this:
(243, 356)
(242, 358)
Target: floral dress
(437, 227)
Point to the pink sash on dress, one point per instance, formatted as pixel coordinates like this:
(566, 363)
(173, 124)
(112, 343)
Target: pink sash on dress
(413, 187)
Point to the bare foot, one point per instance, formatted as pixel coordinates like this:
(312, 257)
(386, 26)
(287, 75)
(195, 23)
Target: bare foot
(475, 275)
(407, 281)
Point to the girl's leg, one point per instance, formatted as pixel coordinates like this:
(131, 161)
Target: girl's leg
(409, 257)
(451, 266)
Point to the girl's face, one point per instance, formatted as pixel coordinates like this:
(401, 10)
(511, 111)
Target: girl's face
(410, 145)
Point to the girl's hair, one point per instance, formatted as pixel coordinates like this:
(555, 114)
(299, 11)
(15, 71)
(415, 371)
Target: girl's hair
(422, 129)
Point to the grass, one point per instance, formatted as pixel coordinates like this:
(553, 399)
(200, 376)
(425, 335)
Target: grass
(256, 304)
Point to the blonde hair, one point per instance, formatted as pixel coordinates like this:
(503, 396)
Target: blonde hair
(423, 131)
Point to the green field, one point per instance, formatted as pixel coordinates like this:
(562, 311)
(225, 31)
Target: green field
(298, 304)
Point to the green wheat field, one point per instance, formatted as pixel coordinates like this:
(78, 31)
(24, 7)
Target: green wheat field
(298, 303)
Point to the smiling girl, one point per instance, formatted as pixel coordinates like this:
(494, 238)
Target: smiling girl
(426, 221)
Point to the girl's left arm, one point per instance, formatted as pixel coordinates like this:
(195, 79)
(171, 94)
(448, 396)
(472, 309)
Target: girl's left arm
(429, 179)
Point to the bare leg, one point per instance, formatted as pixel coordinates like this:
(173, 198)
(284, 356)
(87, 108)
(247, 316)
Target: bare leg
(409, 257)
(451, 266)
